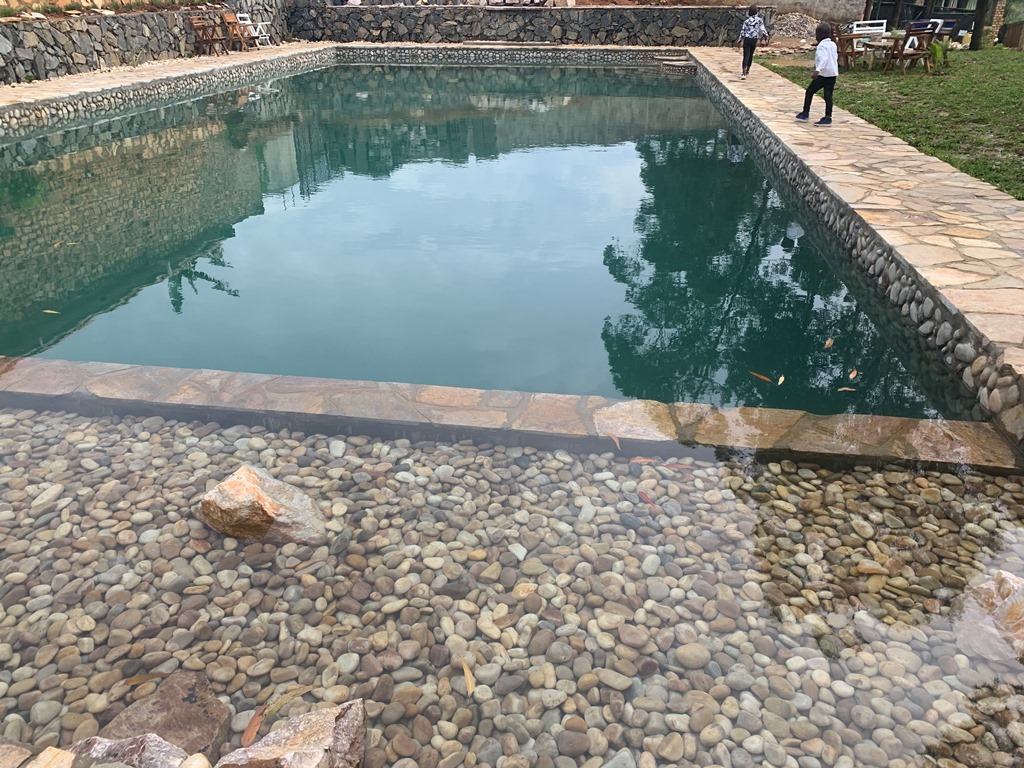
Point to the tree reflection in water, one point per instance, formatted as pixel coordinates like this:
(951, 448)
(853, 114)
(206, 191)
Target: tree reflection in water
(188, 272)
(721, 288)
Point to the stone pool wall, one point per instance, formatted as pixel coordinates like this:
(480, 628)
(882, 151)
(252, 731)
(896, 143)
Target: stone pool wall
(675, 26)
(41, 49)
(981, 364)
(133, 193)
(25, 119)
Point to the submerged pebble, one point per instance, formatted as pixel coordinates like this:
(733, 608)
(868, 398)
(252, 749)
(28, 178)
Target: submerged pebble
(785, 615)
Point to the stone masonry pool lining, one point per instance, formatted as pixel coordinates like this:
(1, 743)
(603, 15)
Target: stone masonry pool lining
(947, 249)
(512, 417)
(61, 103)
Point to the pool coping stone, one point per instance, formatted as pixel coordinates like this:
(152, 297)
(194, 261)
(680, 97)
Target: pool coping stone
(512, 417)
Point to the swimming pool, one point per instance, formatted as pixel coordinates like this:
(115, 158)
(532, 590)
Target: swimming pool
(570, 230)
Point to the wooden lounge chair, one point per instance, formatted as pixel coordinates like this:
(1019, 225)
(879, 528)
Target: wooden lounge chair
(209, 36)
(239, 34)
(906, 51)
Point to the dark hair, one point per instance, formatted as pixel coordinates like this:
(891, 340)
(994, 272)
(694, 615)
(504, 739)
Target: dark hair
(823, 31)
(752, 10)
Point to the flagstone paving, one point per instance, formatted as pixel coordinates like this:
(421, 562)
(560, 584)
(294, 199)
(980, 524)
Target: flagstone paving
(957, 236)
(503, 415)
(26, 94)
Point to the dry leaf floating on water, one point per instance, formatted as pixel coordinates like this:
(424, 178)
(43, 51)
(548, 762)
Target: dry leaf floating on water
(781, 379)
(760, 376)
(50, 312)
(846, 389)
(853, 374)
(828, 343)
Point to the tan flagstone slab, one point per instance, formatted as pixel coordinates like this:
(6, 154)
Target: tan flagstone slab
(1001, 301)
(1000, 328)
(746, 427)
(551, 413)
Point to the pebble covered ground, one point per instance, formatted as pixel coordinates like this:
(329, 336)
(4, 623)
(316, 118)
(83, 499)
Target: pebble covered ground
(613, 612)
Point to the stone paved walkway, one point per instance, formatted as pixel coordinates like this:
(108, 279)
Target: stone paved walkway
(963, 236)
(27, 94)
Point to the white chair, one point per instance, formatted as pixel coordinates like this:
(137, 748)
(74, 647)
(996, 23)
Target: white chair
(867, 29)
(256, 30)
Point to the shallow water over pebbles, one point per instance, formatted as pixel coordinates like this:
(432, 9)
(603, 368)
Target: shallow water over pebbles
(781, 615)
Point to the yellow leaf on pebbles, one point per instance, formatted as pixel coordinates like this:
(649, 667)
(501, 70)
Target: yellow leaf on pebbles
(470, 681)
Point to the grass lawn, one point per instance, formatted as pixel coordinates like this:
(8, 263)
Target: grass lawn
(971, 115)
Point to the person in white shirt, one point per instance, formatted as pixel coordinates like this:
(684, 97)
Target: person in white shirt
(826, 70)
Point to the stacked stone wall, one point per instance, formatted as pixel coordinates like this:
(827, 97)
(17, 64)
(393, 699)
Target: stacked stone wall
(40, 49)
(636, 26)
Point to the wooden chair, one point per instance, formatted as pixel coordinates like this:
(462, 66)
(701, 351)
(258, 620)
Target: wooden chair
(209, 36)
(239, 34)
(906, 51)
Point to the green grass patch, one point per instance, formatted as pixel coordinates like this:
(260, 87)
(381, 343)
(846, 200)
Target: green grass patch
(969, 114)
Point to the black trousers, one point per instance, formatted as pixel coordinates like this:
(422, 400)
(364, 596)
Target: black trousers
(827, 84)
(749, 44)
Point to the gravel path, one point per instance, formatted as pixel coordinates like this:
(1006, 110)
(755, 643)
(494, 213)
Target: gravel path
(613, 613)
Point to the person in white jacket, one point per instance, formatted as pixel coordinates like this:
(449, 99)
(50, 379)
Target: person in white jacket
(826, 70)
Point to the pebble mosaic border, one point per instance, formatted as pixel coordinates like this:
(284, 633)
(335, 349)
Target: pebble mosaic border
(517, 416)
(503, 54)
(945, 248)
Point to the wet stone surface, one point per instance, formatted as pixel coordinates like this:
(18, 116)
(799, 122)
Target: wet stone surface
(612, 612)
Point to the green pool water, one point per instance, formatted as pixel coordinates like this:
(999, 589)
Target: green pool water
(583, 231)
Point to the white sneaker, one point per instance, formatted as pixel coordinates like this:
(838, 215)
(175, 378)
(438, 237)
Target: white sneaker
(743, 77)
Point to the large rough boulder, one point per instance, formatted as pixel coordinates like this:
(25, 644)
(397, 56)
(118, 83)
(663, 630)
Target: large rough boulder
(183, 710)
(991, 623)
(251, 504)
(146, 751)
(323, 738)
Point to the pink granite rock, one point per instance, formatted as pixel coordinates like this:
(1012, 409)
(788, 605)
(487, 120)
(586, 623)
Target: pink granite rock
(145, 751)
(183, 710)
(323, 738)
(991, 623)
(250, 504)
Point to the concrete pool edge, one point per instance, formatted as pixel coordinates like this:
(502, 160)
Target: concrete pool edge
(945, 249)
(513, 417)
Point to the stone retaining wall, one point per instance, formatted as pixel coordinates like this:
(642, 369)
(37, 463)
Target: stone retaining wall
(678, 26)
(88, 107)
(977, 362)
(36, 50)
